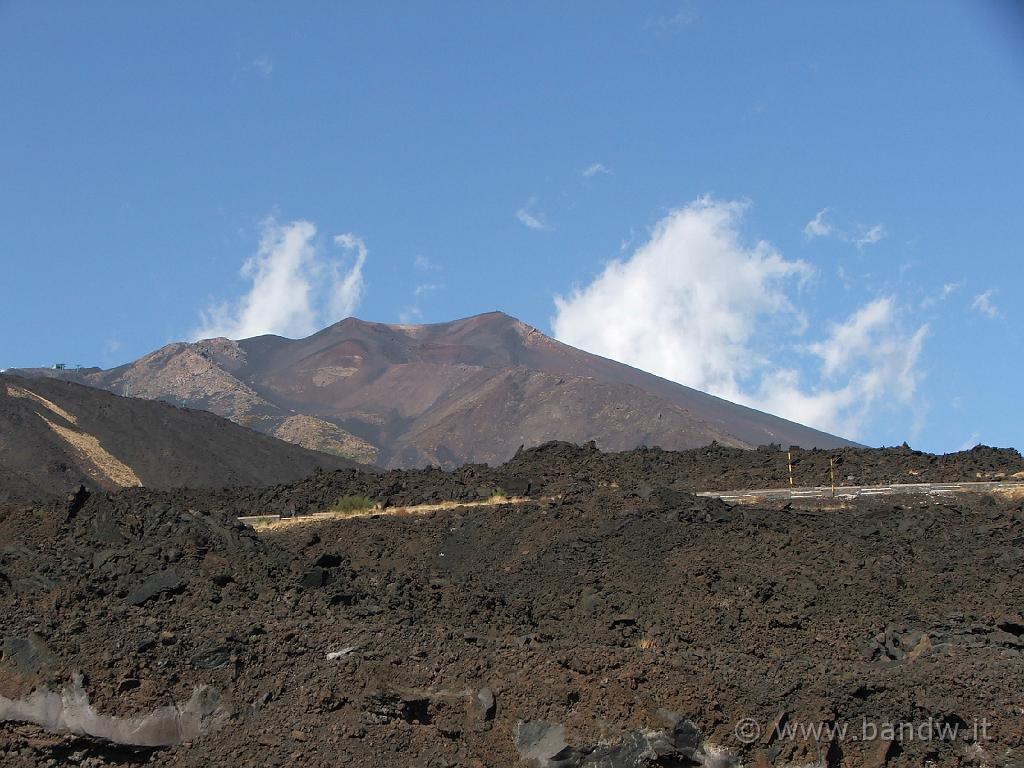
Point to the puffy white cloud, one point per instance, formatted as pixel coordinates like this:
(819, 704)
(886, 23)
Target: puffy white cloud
(296, 288)
(983, 303)
(698, 305)
(867, 363)
(685, 304)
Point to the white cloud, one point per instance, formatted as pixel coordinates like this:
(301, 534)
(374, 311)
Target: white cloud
(818, 227)
(595, 169)
(870, 235)
(345, 287)
(410, 315)
(970, 442)
(423, 264)
(686, 304)
(667, 25)
(296, 289)
(414, 312)
(983, 303)
(947, 290)
(697, 305)
(852, 339)
(530, 219)
(866, 362)
(858, 235)
(419, 290)
(263, 65)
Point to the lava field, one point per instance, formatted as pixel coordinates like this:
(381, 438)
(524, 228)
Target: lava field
(610, 619)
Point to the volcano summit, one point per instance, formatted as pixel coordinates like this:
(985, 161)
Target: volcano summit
(471, 390)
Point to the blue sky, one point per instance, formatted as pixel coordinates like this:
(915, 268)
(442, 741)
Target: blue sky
(813, 208)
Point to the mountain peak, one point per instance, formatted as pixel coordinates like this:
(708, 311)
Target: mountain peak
(468, 390)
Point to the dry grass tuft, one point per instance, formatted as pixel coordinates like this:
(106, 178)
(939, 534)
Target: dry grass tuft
(271, 523)
(1010, 494)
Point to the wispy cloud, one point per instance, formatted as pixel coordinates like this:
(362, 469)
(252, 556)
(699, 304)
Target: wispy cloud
(345, 287)
(595, 169)
(263, 66)
(870, 235)
(859, 235)
(419, 290)
(944, 293)
(530, 219)
(818, 227)
(414, 312)
(295, 287)
(695, 304)
(970, 442)
(666, 25)
(983, 304)
(423, 264)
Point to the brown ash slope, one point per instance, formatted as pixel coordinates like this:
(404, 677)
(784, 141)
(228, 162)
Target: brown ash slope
(55, 435)
(472, 390)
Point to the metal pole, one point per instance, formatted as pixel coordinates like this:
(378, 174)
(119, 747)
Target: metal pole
(789, 455)
(832, 474)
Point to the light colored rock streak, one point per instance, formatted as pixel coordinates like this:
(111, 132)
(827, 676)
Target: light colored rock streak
(109, 467)
(70, 712)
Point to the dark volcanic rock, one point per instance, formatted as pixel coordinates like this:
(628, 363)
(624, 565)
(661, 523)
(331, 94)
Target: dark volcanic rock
(159, 583)
(593, 609)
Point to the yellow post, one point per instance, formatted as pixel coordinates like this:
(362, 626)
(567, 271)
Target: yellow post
(789, 455)
(832, 474)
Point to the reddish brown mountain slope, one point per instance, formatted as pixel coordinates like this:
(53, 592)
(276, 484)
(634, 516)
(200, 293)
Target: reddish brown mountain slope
(470, 390)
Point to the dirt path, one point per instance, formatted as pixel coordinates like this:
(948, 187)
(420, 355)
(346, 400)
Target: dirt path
(276, 522)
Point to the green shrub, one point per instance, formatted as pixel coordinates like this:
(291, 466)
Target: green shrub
(351, 504)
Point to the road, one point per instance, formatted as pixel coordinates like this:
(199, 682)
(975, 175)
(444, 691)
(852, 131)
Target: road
(858, 491)
(821, 492)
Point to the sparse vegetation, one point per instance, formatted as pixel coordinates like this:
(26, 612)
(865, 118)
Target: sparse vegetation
(498, 497)
(350, 505)
(1010, 494)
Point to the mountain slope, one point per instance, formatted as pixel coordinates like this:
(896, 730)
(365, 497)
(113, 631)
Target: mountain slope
(469, 390)
(55, 435)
